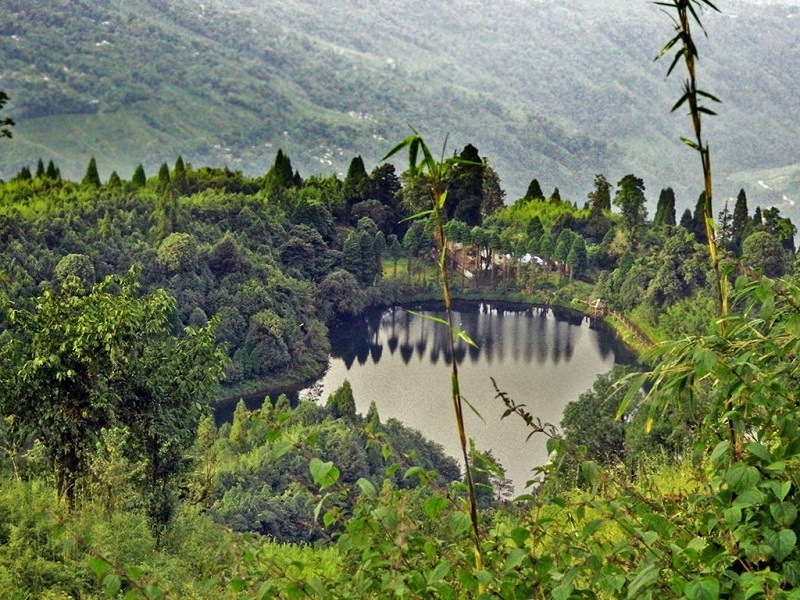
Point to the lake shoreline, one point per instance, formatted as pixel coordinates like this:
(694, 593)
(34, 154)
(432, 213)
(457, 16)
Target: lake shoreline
(254, 390)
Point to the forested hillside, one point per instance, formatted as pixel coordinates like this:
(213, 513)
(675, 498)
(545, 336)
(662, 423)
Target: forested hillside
(555, 91)
(130, 304)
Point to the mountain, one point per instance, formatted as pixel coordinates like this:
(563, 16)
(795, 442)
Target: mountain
(544, 88)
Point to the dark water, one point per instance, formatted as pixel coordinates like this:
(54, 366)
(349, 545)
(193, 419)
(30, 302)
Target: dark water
(540, 357)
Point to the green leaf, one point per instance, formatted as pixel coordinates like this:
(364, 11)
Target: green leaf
(281, 448)
(367, 488)
(318, 507)
(562, 592)
(515, 558)
(633, 388)
(782, 543)
(784, 513)
(590, 473)
(741, 477)
(483, 577)
(434, 506)
(323, 473)
(459, 523)
(706, 589)
(643, 579)
(520, 535)
(98, 566)
(111, 585)
(759, 451)
(720, 451)
(412, 471)
(439, 573)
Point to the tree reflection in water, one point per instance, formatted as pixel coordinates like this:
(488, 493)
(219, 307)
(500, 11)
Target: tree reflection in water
(542, 357)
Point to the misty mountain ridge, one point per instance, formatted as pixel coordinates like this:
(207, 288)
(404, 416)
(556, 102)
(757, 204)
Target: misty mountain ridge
(544, 89)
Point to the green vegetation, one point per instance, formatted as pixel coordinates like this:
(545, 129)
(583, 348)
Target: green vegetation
(681, 481)
(150, 80)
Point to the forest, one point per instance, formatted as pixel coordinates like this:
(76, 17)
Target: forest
(131, 306)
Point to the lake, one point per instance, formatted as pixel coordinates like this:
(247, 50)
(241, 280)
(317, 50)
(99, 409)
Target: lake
(542, 358)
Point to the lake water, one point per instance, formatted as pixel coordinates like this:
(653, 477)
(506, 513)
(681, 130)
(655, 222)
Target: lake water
(540, 357)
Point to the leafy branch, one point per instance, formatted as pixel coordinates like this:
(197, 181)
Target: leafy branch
(436, 173)
(686, 13)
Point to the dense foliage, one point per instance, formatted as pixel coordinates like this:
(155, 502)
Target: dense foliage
(677, 482)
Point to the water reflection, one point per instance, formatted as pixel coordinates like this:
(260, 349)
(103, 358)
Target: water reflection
(541, 357)
(535, 334)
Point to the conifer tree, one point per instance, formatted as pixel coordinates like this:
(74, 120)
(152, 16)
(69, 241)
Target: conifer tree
(465, 196)
(757, 222)
(600, 197)
(281, 174)
(740, 222)
(687, 220)
(114, 182)
(725, 227)
(493, 194)
(179, 180)
(92, 177)
(699, 219)
(40, 172)
(25, 175)
(577, 259)
(356, 183)
(139, 179)
(534, 191)
(164, 181)
(631, 200)
(665, 209)
(555, 196)
(51, 171)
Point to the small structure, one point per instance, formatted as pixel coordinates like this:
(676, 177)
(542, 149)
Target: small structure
(599, 308)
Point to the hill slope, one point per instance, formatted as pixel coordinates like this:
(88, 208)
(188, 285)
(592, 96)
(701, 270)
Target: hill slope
(543, 88)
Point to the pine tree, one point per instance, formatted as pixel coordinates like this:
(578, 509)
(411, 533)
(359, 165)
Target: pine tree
(493, 194)
(665, 210)
(631, 200)
(687, 221)
(534, 191)
(114, 182)
(740, 222)
(699, 219)
(356, 183)
(341, 404)
(555, 196)
(725, 227)
(465, 196)
(139, 179)
(281, 174)
(577, 259)
(757, 222)
(40, 172)
(92, 178)
(51, 171)
(600, 197)
(179, 180)
(164, 181)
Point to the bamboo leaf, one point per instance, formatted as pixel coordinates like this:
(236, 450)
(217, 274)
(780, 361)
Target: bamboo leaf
(399, 147)
(633, 389)
(691, 144)
(680, 102)
(711, 97)
(472, 408)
